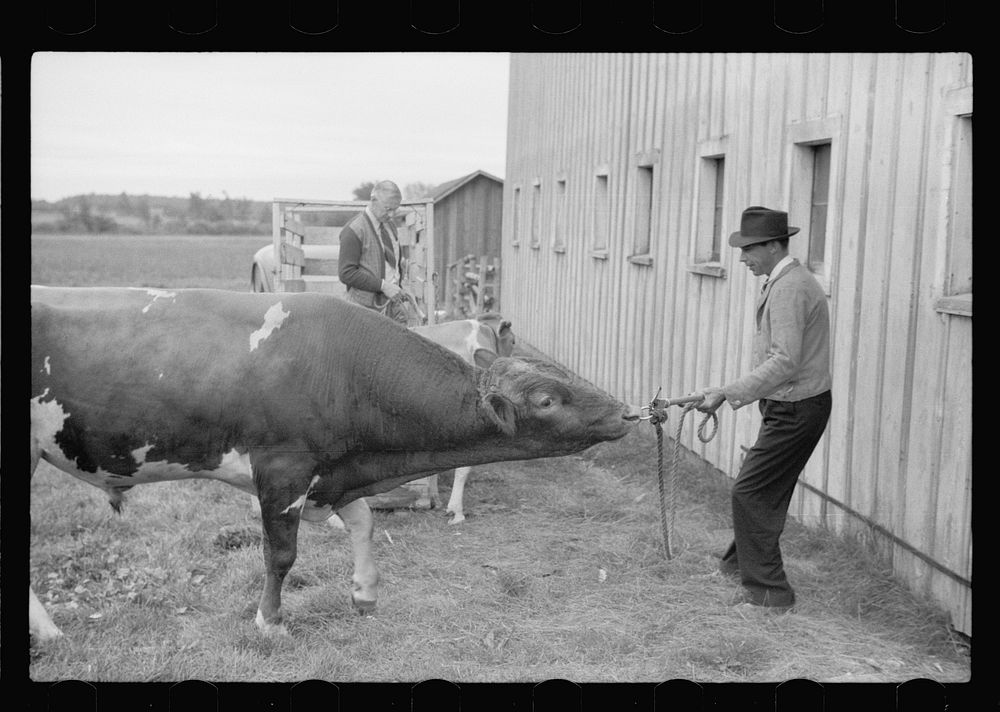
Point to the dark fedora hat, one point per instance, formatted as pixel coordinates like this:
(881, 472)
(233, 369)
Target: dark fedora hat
(760, 224)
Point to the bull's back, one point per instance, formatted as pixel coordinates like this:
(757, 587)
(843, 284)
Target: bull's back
(212, 365)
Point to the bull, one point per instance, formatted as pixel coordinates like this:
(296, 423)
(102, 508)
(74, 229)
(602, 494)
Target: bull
(304, 400)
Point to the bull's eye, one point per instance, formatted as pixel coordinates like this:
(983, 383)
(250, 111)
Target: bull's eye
(545, 402)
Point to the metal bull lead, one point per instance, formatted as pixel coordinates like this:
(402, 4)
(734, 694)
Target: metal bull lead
(656, 414)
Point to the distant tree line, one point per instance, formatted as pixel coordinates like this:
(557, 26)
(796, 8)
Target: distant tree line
(154, 214)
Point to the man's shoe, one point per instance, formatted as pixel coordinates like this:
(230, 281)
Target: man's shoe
(744, 600)
(727, 569)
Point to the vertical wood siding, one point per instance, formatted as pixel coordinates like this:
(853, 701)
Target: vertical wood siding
(895, 463)
(467, 222)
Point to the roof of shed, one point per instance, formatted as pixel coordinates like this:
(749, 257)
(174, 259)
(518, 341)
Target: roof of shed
(453, 185)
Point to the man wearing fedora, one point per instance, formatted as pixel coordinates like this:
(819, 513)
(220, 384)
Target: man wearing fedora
(789, 378)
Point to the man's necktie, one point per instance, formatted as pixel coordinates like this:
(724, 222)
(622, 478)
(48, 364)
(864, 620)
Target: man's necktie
(390, 254)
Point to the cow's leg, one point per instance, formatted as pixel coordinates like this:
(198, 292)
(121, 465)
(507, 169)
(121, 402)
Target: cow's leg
(430, 496)
(40, 626)
(361, 525)
(457, 492)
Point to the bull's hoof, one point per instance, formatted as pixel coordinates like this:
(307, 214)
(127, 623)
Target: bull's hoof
(457, 517)
(270, 630)
(362, 606)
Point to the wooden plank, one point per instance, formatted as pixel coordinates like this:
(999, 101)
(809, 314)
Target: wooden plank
(871, 285)
(846, 303)
(321, 235)
(930, 333)
(953, 520)
(294, 226)
(291, 255)
(314, 266)
(897, 472)
(616, 240)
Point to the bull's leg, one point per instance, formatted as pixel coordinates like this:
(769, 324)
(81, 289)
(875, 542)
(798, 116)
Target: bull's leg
(282, 482)
(457, 492)
(361, 525)
(40, 626)
(280, 547)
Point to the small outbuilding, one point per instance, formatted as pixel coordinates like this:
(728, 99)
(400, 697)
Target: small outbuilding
(468, 214)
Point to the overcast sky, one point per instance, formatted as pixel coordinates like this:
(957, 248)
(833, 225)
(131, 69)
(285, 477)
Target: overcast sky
(262, 125)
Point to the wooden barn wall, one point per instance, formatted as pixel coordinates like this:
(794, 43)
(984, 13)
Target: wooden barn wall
(895, 462)
(467, 222)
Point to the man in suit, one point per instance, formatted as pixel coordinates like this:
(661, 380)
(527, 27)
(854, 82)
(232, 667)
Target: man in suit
(369, 254)
(790, 379)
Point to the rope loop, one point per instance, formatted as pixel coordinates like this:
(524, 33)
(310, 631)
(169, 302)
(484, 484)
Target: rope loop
(668, 486)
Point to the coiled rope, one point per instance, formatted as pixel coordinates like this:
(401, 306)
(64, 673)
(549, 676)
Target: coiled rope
(668, 488)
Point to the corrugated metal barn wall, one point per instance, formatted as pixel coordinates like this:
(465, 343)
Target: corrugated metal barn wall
(895, 462)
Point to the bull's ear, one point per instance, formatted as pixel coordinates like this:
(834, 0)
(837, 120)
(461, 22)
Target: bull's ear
(501, 412)
(484, 357)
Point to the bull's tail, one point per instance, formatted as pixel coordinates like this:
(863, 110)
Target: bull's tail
(116, 498)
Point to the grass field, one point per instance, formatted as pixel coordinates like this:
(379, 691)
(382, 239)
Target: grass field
(218, 261)
(558, 571)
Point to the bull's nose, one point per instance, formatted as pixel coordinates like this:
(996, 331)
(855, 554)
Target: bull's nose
(632, 413)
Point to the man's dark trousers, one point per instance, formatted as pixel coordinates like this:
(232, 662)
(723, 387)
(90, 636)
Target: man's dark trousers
(788, 434)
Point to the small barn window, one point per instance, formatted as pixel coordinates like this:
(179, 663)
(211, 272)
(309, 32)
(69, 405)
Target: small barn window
(601, 215)
(811, 182)
(643, 210)
(642, 228)
(559, 229)
(536, 213)
(642, 235)
(819, 203)
(516, 229)
(957, 289)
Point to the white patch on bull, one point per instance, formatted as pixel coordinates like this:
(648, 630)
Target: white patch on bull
(233, 469)
(47, 367)
(273, 318)
(160, 376)
(47, 420)
(158, 294)
(297, 504)
(308, 510)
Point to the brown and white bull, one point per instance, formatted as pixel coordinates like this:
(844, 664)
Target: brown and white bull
(305, 400)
